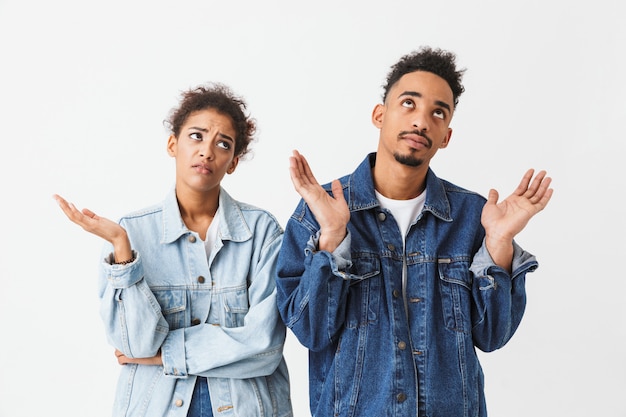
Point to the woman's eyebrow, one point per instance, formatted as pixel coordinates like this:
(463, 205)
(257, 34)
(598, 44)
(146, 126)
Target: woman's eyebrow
(203, 130)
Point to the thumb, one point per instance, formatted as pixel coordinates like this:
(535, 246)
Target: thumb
(493, 196)
(337, 189)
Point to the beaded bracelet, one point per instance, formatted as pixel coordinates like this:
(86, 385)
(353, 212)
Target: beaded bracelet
(127, 261)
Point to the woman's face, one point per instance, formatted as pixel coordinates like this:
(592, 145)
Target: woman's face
(204, 150)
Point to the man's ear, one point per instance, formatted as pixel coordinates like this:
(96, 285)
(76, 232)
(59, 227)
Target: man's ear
(172, 141)
(446, 141)
(378, 114)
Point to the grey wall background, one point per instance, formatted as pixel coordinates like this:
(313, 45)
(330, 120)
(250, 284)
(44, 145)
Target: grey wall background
(85, 86)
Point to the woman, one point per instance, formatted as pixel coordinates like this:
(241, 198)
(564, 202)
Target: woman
(187, 286)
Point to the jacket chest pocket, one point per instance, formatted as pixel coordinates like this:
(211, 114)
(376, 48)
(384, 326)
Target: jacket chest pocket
(363, 301)
(229, 307)
(455, 284)
(173, 306)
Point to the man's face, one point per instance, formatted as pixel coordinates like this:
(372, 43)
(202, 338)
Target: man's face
(414, 120)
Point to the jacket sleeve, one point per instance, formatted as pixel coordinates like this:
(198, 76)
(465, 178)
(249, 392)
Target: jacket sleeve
(131, 314)
(499, 298)
(312, 285)
(252, 350)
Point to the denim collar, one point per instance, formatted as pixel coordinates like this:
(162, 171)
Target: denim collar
(231, 220)
(361, 194)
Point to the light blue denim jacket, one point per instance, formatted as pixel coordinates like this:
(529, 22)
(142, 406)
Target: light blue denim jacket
(212, 317)
(381, 347)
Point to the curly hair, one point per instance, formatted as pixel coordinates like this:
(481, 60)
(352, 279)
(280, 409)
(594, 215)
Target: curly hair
(220, 98)
(437, 61)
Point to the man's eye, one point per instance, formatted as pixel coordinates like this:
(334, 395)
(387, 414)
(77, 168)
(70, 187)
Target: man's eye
(407, 103)
(224, 145)
(195, 136)
(440, 114)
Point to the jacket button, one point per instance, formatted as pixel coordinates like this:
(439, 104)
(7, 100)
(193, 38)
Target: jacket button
(195, 322)
(401, 345)
(178, 403)
(201, 279)
(396, 293)
(192, 239)
(401, 397)
(382, 217)
(391, 247)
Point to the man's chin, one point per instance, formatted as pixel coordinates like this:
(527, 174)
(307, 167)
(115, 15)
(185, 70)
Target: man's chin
(408, 160)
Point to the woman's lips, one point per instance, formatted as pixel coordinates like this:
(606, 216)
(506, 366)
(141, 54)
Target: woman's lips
(203, 169)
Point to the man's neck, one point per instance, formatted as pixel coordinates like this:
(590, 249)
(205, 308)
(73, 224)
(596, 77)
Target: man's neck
(397, 181)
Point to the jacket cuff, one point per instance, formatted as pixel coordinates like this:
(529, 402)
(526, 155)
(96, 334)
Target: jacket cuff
(173, 354)
(523, 262)
(123, 276)
(340, 258)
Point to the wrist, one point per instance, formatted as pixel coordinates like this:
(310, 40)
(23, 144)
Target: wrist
(122, 251)
(329, 241)
(498, 241)
(124, 261)
(501, 251)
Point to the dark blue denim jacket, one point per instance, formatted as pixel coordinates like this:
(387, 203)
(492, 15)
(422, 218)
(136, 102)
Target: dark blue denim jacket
(376, 348)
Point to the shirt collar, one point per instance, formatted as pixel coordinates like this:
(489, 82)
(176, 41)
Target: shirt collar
(232, 224)
(361, 194)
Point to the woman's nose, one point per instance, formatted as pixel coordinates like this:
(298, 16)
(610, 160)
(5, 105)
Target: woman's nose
(206, 150)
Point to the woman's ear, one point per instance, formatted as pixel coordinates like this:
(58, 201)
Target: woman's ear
(233, 165)
(172, 141)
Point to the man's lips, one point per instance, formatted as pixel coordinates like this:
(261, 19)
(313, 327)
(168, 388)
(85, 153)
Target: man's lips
(416, 139)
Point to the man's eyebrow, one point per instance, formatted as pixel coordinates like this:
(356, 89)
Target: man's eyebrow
(203, 130)
(416, 94)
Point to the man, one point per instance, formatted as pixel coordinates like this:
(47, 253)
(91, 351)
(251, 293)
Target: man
(391, 276)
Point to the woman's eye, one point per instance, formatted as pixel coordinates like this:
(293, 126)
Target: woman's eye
(224, 145)
(195, 136)
(440, 114)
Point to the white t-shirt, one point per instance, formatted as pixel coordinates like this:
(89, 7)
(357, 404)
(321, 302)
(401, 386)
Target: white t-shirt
(404, 211)
(211, 234)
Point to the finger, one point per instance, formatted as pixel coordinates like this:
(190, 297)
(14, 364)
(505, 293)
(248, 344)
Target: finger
(71, 211)
(307, 176)
(89, 213)
(523, 185)
(536, 184)
(295, 172)
(544, 184)
(538, 190)
(301, 175)
(307, 171)
(62, 203)
(60, 200)
(545, 198)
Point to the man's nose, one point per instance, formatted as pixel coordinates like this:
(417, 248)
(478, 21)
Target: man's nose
(420, 121)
